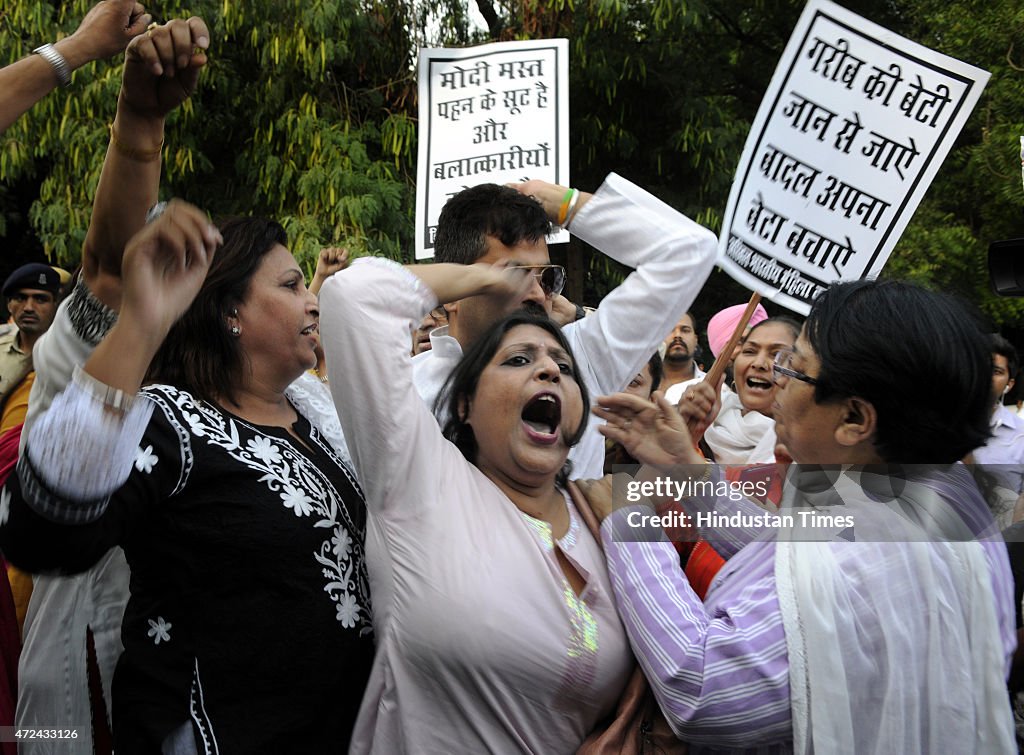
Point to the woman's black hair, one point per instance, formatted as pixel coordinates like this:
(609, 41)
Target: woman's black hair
(793, 324)
(460, 388)
(199, 354)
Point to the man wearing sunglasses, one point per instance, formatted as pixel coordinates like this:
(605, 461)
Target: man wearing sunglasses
(670, 254)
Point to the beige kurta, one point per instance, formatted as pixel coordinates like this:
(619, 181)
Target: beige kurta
(482, 646)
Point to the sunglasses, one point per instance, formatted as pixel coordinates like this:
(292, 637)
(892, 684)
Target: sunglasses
(550, 277)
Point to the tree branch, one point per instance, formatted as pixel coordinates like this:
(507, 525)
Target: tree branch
(494, 23)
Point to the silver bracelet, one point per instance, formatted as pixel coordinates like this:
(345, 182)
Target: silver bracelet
(60, 66)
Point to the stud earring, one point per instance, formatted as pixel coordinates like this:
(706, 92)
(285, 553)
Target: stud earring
(235, 330)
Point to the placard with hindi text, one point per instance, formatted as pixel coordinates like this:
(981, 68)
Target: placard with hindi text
(496, 113)
(854, 126)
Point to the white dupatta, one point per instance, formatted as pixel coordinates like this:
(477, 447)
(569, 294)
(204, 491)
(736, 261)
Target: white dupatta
(733, 435)
(893, 640)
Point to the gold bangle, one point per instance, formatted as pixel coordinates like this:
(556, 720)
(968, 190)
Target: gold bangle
(139, 155)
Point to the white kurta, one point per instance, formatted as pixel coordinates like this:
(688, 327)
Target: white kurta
(672, 257)
(482, 646)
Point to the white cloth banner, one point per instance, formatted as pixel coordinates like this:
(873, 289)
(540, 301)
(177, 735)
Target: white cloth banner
(496, 113)
(854, 125)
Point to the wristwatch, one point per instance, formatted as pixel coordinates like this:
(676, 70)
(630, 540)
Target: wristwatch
(60, 66)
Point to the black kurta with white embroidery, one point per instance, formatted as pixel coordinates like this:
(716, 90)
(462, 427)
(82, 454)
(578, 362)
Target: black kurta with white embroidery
(249, 610)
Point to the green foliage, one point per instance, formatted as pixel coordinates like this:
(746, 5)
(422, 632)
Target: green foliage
(308, 121)
(977, 195)
(664, 92)
(306, 113)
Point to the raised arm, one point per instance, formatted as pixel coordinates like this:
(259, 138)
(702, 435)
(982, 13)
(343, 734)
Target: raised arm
(671, 256)
(161, 71)
(450, 282)
(366, 316)
(654, 433)
(127, 189)
(164, 267)
(330, 260)
(104, 32)
(82, 450)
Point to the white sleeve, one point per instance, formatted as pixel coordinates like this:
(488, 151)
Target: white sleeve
(81, 451)
(80, 324)
(672, 257)
(366, 315)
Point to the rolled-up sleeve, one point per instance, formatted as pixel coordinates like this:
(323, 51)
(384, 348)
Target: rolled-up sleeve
(719, 671)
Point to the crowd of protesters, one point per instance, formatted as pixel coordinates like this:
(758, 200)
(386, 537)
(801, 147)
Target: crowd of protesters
(368, 515)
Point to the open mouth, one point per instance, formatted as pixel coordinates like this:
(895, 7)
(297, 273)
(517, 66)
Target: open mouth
(310, 329)
(543, 414)
(759, 384)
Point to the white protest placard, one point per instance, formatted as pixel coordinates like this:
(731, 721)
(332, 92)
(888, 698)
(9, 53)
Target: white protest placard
(496, 113)
(850, 134)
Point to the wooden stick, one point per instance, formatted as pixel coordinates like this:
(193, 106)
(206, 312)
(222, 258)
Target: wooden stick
(725, 355)
(714, 375)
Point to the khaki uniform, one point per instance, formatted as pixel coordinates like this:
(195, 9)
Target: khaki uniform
(15, 364)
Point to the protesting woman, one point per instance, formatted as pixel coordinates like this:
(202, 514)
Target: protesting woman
(887, 623)
(744, 432)
(248, 625)
(496, 630)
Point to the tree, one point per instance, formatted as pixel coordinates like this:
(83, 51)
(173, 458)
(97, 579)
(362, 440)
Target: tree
(308, 121)
(665, 92)
(312, 121)
(977, 197)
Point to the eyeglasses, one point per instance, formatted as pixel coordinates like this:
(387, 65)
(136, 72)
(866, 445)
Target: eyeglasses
(781, 368)
(550, 277)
